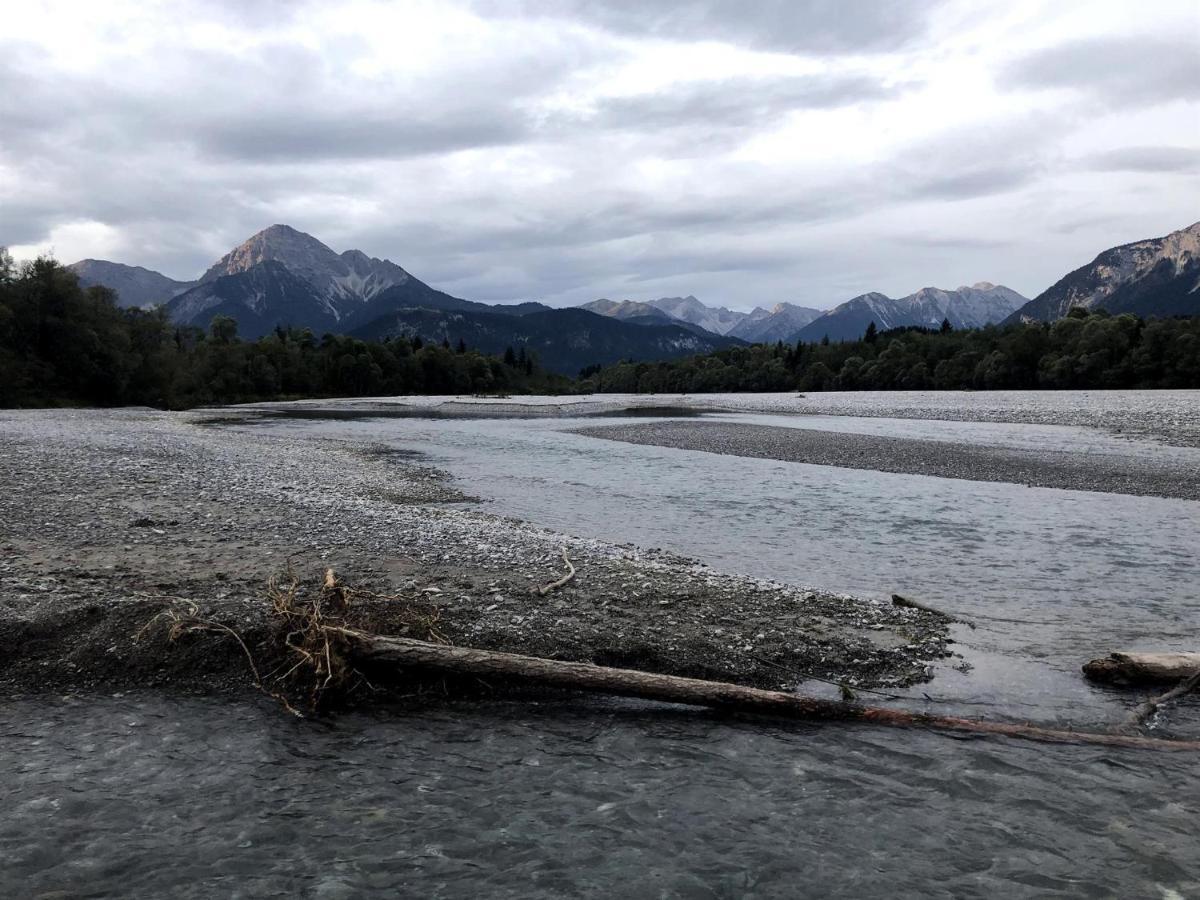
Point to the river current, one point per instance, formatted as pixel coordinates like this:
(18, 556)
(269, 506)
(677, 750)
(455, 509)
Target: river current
(147, 796)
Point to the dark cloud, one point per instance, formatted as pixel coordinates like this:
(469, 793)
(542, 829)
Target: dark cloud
(737, 103)
(791, 26)
(1145, 159)
(1115, 71)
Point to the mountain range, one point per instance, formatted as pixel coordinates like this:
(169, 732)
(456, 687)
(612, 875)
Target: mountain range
(282, 276)
(134, 285)
(965, 307)
(1157, 277)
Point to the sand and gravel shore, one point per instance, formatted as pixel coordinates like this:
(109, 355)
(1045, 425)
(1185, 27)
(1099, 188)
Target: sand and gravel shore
(109, 517)
(1114, 473)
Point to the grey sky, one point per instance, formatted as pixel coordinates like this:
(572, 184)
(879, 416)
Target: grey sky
(562, 150)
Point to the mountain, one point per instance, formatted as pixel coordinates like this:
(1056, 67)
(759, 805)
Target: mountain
(564, 340)
(259, 298)
(134, 285)
(1157, 277)
(282, 276)
(716, 319)
(626, 309)
(780, 323)
(967, 307)
(345, 281)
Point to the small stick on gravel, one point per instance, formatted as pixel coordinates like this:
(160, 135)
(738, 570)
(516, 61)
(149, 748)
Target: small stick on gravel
(547, 588)
(897, 600)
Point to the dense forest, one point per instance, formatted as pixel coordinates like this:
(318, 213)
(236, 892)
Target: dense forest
(63, 345)
(1083, 350)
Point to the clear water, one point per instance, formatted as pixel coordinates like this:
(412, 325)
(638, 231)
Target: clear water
(1051, 578)
(144, 796)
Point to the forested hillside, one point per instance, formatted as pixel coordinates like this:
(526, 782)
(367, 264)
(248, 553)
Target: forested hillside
(61, 344)
(1083, 350)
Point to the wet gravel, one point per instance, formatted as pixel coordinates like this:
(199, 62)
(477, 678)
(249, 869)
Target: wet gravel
(107, 518)
(1110, 473)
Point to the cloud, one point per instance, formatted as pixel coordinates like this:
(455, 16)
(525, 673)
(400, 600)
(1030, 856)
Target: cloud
(790, 26)
(1114, 70)
(735, 103)
(745, 153)
(1145, 159)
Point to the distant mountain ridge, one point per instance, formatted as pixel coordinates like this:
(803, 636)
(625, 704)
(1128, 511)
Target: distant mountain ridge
(782, 322)
(564, 340)
(626, 309)
(980, 304)
(777, 323)
(1156, 277)
(716, 319)
(284, 277)
(135, 286)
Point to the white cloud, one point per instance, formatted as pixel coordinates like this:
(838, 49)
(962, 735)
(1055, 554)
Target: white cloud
(788, 150)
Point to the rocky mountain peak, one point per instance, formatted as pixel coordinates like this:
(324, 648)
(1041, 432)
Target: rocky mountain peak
(346, 281)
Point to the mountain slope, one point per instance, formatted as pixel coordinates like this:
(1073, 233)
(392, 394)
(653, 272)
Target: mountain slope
(967, 307)
(565, 340)
(780, 323)
(135, 286)
(346, 281)
(625, 309)
(1157, 277)
(259, 298)
(716, 319)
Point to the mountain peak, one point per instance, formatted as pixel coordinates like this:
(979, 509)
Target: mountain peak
(346, 281)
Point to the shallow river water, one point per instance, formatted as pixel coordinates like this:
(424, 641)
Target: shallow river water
(143, 796)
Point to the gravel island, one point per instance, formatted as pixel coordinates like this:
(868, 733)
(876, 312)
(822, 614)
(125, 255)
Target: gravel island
(108, 518)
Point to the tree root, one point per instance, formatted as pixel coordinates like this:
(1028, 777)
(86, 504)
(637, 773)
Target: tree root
(311, 636)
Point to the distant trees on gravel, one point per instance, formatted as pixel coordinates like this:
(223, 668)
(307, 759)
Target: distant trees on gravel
(63, 345)
(1083, 350)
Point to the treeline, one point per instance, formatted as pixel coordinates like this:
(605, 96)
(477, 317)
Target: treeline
(1083, 350)
(61, 344)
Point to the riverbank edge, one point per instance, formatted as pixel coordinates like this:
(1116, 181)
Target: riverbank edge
(117, 522)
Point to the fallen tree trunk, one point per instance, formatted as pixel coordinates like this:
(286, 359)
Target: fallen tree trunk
(406, 653)
(1143, 668)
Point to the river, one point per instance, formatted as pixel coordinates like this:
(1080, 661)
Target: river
(144, 796)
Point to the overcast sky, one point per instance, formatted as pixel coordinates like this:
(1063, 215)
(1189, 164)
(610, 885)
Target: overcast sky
(745, 151)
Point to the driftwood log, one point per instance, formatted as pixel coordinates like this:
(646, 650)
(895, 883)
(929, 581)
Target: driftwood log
(410, 654)
(1143, 668)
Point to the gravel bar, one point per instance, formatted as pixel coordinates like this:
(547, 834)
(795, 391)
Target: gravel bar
(1109, 473)
(108, 518)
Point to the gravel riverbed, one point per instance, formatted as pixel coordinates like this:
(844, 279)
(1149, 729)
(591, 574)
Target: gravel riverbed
(108, 518)
(1111, 473)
